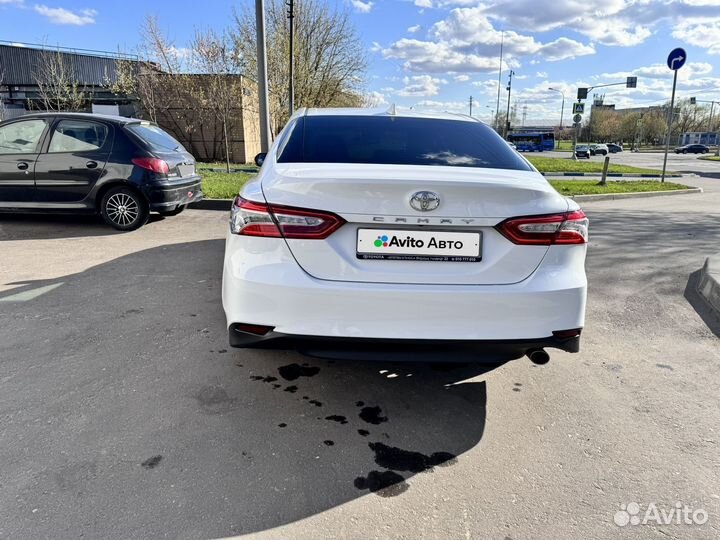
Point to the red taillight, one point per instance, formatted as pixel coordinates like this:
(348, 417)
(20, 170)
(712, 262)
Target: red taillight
(250, 218)
(565, 228)
(152, 164)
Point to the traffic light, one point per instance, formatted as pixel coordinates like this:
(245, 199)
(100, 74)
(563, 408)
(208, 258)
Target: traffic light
(582, 93)
(631, 82)
(693, 101)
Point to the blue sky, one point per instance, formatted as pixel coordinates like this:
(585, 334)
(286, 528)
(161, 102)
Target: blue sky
(434, 54)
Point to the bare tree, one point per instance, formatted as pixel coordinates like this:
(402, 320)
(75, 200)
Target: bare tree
(167, 92)
(329, 57)
(214, 59)
(57, 84)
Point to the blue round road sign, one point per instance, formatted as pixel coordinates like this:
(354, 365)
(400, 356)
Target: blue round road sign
(676, 59)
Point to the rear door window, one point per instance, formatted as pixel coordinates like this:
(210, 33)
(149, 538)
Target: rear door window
(77, 136)
(398, 141)
(21, 137)
(155, 137)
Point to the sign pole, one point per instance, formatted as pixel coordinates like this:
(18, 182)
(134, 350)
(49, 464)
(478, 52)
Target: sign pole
(670, 123)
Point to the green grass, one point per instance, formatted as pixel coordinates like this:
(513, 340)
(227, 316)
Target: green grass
(222, 185)
(545, 164)
(563, 146)
(711, 158)
(592, 187)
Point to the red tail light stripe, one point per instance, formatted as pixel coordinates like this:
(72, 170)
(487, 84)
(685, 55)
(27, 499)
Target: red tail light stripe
(565, 228)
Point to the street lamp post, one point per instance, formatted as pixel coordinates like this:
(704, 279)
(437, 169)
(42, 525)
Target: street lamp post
(562, 108)
(507, 114)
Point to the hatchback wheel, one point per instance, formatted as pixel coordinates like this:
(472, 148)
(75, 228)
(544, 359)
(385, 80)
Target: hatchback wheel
(124, 209)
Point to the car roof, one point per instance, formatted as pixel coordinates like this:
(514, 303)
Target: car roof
(384, 111)
(86, 116)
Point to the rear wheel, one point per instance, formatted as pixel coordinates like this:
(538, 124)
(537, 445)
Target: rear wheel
(124, 209)
(174, 212)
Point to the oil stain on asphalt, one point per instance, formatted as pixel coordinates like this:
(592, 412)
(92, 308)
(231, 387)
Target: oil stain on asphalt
(372, 415)
(152, 462)
(292, 372)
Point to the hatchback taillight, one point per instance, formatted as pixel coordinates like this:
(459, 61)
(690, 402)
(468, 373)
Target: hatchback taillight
(250, 218)
(565, 228)
(152, 164)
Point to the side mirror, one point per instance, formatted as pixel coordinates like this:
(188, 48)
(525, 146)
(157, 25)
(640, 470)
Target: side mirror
(260, 158)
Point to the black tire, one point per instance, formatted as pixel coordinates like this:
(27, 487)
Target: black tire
(174, 212)
(124, 209)
(684, 151)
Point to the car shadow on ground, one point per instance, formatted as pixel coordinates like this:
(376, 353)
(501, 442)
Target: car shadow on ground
(53, 226)
(700, 305)
(125, 414)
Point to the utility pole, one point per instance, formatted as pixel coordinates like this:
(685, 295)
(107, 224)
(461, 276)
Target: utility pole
(497, 107)
(562, 109)
(507, 114)
(262, 76)
(291, 82)
(471, 105)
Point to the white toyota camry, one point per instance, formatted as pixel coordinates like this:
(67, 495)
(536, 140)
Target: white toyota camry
(381, 234)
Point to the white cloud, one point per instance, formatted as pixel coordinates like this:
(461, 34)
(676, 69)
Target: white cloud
(541, 74)
(705, 34)
(362, 7)
(466, 41)
(414, 29)
(461, 78)
(65, 16)
(429, 105)
(420, 85)
(423, 3)
(375, 99)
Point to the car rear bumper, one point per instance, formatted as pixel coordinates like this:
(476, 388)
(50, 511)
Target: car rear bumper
(169, 195)
(400, 349)
(263, 285)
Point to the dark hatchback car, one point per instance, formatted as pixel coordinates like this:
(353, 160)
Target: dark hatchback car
(692, 149)
(614, 148)
(121, 168)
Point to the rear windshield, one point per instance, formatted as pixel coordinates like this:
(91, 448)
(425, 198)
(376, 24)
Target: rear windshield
(397, 141)
(155, 137)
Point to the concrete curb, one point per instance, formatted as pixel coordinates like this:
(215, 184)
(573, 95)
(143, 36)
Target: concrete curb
(709, 283)
(613, 175)
(638, 195)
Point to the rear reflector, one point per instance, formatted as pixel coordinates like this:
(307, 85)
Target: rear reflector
(565, 228)
(250, 218)
(152, 164)
(256, 329)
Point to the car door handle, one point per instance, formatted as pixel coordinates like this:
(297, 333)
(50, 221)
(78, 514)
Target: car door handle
(22, 165)
(91, 164)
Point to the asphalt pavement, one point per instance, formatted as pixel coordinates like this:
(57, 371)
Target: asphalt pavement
(124, 414)
(682, 163)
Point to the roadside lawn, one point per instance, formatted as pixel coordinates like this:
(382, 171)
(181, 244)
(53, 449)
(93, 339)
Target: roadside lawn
(544, 164)
(222, 185)
(711, 158)
(593, 187)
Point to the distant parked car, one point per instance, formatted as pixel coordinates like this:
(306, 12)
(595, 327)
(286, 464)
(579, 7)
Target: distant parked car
(598, 150)
(121, 168)
(692, 149)
(614, 148)
(582, 151)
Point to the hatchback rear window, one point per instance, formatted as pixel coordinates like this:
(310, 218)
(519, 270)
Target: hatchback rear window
(397, 141)
(155, 137)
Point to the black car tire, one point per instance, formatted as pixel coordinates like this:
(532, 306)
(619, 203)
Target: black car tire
(684, 151)
(124, 209)
(174, 212)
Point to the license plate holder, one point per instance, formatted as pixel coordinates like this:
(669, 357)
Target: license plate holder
(418, 245)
